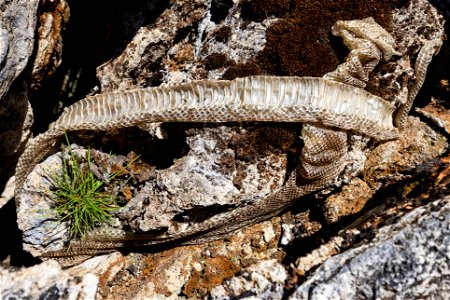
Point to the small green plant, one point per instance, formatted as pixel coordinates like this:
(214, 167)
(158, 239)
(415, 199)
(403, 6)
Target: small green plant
(80, 200)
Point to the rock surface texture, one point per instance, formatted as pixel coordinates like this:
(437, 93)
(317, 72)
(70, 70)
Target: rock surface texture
(17, 29)
(407, 260)
(192, 174)
(46, 281)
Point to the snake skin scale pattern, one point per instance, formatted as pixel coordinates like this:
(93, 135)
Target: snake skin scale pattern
(254, 98)
(331, 108)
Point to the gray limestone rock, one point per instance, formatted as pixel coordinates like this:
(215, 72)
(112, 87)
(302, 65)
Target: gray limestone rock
(17, 26)
(46, 281)
(17, 30)
(407, 260)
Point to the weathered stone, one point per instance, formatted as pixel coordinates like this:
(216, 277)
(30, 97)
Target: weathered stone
(417, 144)
(386, 163)
(192, 41)
(218, 173)
(438, 114)
(46, 281)
(407, 260)
(53, 18)
(318, 256)
(412, 24)
(17, 26)
(263, 280)
(187, 42)
(190, 270)
(224, 166)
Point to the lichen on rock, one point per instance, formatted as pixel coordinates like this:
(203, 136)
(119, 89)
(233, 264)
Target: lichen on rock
(210, 169)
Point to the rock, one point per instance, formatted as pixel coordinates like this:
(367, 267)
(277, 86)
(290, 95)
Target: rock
(225, 166)
(46, 281)
(318, 256)
(412, 24)
(437, 113)
(222, 166)
(263, 280)
(407, 260)
(17, 27)
(187, 42)
(191, 271)
(8, 192)
(388, 163)
(53, 18)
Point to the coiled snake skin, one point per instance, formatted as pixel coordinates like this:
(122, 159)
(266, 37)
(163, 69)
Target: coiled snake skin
(329, 109)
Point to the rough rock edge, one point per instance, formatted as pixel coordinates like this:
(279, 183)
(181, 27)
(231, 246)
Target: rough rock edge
(46, 281)
(409, 259)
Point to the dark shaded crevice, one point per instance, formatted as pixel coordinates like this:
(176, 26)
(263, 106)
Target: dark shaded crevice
(201, 213)
(437, 71)
(12, 238)
(258, 10)
(97, 32)
(443, 6)
(220, 9)
(182, 33)
(160, 153)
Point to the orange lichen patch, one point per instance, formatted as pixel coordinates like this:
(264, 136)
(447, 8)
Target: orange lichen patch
(185, 54)
(437, 113)
(443, 177)
(168, 270)
(223, 259)
(193, 271)
(135, 168)
(213, 274)
(181, 55)
(349, 201)
(53, 17)
(129, 280)
(107, 276)
(416, 145)
(127, 193)
(444, 84)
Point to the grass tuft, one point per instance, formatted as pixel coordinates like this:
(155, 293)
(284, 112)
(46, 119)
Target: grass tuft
(80, 199)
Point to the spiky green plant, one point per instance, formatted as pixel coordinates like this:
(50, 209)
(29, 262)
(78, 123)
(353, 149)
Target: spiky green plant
(80, 199)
